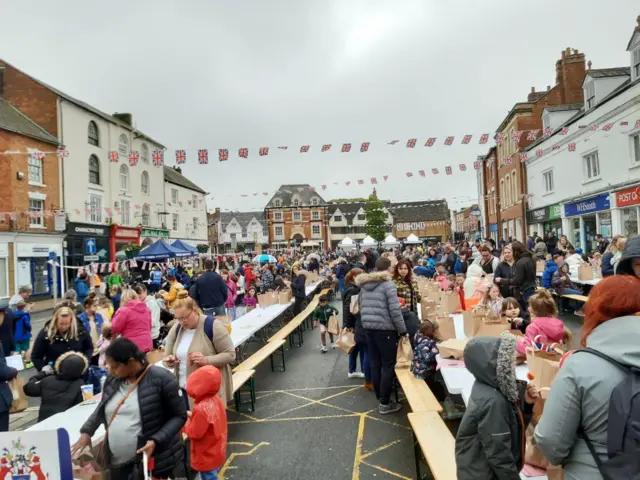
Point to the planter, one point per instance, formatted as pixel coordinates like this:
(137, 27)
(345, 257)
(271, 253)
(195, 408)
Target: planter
(131, 253)
(203, 249)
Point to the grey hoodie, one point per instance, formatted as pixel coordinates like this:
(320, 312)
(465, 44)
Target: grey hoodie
(490, 439)
(631, 251)
(579, 397)
(379, 304)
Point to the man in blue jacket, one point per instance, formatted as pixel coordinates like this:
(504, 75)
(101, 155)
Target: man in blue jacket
(550, 268)
(210, 291)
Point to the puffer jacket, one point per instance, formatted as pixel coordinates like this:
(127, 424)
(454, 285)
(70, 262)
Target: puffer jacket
(379, 305)
(547, 276)
(505, 273)
(580, 397)
(540, 250)
(133, 321)
(561, 281)
(410, 293)
(490, 439)
(524, 275)
(162, 410)
(59, 391)
(351, 320)
(47, 350)
(625, 264)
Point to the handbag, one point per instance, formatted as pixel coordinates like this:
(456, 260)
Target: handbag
(354, 307)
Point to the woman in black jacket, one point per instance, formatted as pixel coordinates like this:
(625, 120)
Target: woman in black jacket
(145, 409)
(60, 390)
(63, 333)
(523, 281)
(352, 322)
(298, 288)
(505, 272)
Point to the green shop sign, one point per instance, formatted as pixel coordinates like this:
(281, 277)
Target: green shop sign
(544, 214)
(154, 233)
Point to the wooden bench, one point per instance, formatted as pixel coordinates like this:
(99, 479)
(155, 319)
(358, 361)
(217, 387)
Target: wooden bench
(418, 393)
(239, 379)
(432, 436)
(261, 355)
(580, 298)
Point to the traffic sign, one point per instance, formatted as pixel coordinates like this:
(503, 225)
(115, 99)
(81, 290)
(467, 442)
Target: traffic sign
(90, 246)
(91, 258)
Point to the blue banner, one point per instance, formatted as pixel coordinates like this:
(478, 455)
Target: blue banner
(590, 205)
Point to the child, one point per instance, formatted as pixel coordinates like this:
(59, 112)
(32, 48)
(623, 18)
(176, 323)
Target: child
(490, 439)
(474, 285)
(544, 329)
(441, 276)
(206, 426)
(60, 390)
(104, 342)
(22, 334)
(511, 310)
(459, 289)
(493, 300)
(563, 285)
(321, 315)
(451, 280)
(423, 364)
(250, 299)
(105, 308)
(549, 269)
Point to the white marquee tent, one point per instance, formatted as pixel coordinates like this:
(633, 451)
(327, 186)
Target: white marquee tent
(412, 240)
(346, 244)
(390, 242)
(368, 242)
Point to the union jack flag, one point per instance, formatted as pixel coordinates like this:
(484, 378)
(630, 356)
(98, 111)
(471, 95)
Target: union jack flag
(547, 131)
(411, 142)
(223, 154)
(463, 167)
(515, 136)
(324, 187)
(539, 152)
(304, 149)
(312, 189)
(435, 171)
(347, 183)
(466, 139)
(263, 151)
(524, 157)
(607, 127)
(572, 147)
(507, 160)
(564, 131)
(555, 147)
(449, 141)
(385, 177)
(243, 153)
(430, 142)
(325, 147)
(374, 181)
(346, 147)
(393, 142)
(360, 182)
(409, 174)
(181, 157)
(283, 147)
(533, 134)
(484, 138)
(158, 157)
(109, 212)
(203, 156)
(133, 158)
(421, 172)
(448, 170)
(62, 152)
(624, 124)
(137, 206)
(476, 165)
(637, 125)
(113, 157)
(364, 147)
(594, 127)
(499, 139)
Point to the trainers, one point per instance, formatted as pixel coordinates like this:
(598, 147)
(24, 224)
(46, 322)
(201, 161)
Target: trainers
(324, 349)
(28, 365)
(333, 345)
(392, 407)
(359, 374)
(352, 375)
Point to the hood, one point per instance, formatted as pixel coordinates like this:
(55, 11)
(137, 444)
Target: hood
(551, 264)
(71, 365)
(18, 314)
(370, 281)
(624, 348)
(549, 326)
(342, 260)
(491, 360)
(137, 306)
(631, 251)
(474, 270)
(204, 383)
(562, 264)
(526, 254)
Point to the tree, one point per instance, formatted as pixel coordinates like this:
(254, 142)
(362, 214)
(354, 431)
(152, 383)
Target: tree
(375, 217)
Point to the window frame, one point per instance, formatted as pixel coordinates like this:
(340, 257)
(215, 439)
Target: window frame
(275, 231)
(313, 230)
(277, 216)
(635, 148)
(175, 222)
(95, 206)
(297, 216)
(97, 160)
(123, 174)
(277, 203)
(514, 188)
(144, 153)
(295, 202)
(590, 94)
(194, 200)
(123, 141)
(547, 181)
(39, 220)
(315, 202)
(315, 215)
(546, 121)
(363, 215)
(588, 163)
(125, 212)
(502, 196)
(635, 64)
(95, 139)
(337, 218)
(144, 175)
(174, 196)
(146, 215)
(35, 165)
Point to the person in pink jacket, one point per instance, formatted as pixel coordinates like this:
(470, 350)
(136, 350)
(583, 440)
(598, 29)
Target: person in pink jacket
(133, 320)
(232, 289)
(545, 329)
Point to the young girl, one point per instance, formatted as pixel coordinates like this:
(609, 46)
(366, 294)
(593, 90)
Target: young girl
(493, 300)
(544, 329)
(441, 276)
(250, 299)
(423, 364)
(458, 288)
(511, 310)
(104, 342)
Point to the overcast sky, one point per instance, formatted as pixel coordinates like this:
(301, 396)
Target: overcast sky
(213, 74)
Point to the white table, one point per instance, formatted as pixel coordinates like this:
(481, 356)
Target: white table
(248, 325)
(72, 421)
(576, 280)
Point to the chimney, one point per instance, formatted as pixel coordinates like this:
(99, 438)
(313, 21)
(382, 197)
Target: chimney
(125, 118)
(638, 27)
(533, 89)
(548, 87)
(178, 169)
(589, 64)
(570, 72)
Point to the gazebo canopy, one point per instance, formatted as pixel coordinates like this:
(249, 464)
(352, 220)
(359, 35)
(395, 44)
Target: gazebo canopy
(346, 241)
(160, 250)
(390, 241)
(368, 242)
(412, 240)
(180, 245)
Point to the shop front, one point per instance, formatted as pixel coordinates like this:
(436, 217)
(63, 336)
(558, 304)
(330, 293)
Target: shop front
(85, 243)
(121, 237)
(32, 267)
(585, 219)
(627, 211)
(545, 219)
(431, 231)
(5, 290)
(151, 235)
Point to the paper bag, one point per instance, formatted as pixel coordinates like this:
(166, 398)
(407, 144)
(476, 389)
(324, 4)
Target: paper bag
(347, 341)
(532, 455)
(86, 466)
(538, 407)
(19, 402)
(433, 295)
(543, 366)
(428, 307)
(471, 323)
(492, 326)
(450, 302)
(154, 356)
(445, 328)
(452, 348)
(268, 299)
(284, 297)
(540, 265)
(405, 354)
(332, 326)
(555, 473)
(585, 272)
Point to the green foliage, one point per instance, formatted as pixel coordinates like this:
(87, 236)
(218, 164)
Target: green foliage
(348, 200)
(375, 217)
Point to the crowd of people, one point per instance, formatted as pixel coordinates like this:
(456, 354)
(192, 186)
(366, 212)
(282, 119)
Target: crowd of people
(106, 338)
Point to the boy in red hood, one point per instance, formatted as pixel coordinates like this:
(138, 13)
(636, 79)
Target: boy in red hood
(206, 426)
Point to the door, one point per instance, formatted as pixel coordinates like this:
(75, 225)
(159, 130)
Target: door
(40, 277)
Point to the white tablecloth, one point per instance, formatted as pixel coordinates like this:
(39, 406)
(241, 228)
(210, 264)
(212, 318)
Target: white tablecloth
(71, 420)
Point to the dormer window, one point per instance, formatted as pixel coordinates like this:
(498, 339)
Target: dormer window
(277, 203)
(546, 121)
(636, 63)
(590, 94)
(314, 201)
(296, 203)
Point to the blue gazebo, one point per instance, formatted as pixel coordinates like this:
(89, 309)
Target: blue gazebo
(180, 245)
(161, 250)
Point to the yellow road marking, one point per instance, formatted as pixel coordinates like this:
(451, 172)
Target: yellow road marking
(303, 389)
(358, 455)
(315, 402)
(397, 475)
(379, 449)
(245, 444)
(227, 464)
(267, 420)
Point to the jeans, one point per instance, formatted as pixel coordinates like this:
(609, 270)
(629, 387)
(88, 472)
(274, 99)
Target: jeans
(382, 347)
(362, 351)
(211, 475)
(215, 310)
(341, 285)
(526, 295)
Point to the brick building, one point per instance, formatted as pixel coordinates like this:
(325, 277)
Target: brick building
(490, 193)
(428, 220)
(297, 215)
(30, 205)
(526, 117)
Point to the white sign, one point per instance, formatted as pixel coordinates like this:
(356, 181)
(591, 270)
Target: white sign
(91, 258)
(61, 223)
(36, 454)
(409, 227)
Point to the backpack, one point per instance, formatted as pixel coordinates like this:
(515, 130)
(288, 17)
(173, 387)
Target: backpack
(208, 327)
(623, 433)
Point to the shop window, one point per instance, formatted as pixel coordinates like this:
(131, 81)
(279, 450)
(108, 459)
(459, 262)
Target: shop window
(95, 204)
(36, 206)
(35, 169)
(591, 166)
(175, 223)
(174, 195)
(123, 145)
(124, 178)
(94, 170)
(548, 181)
(93, 135)
(635, 140)
(144, 153)
(144, 183)
(146, 215)
(630, 220)
(125, 210)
